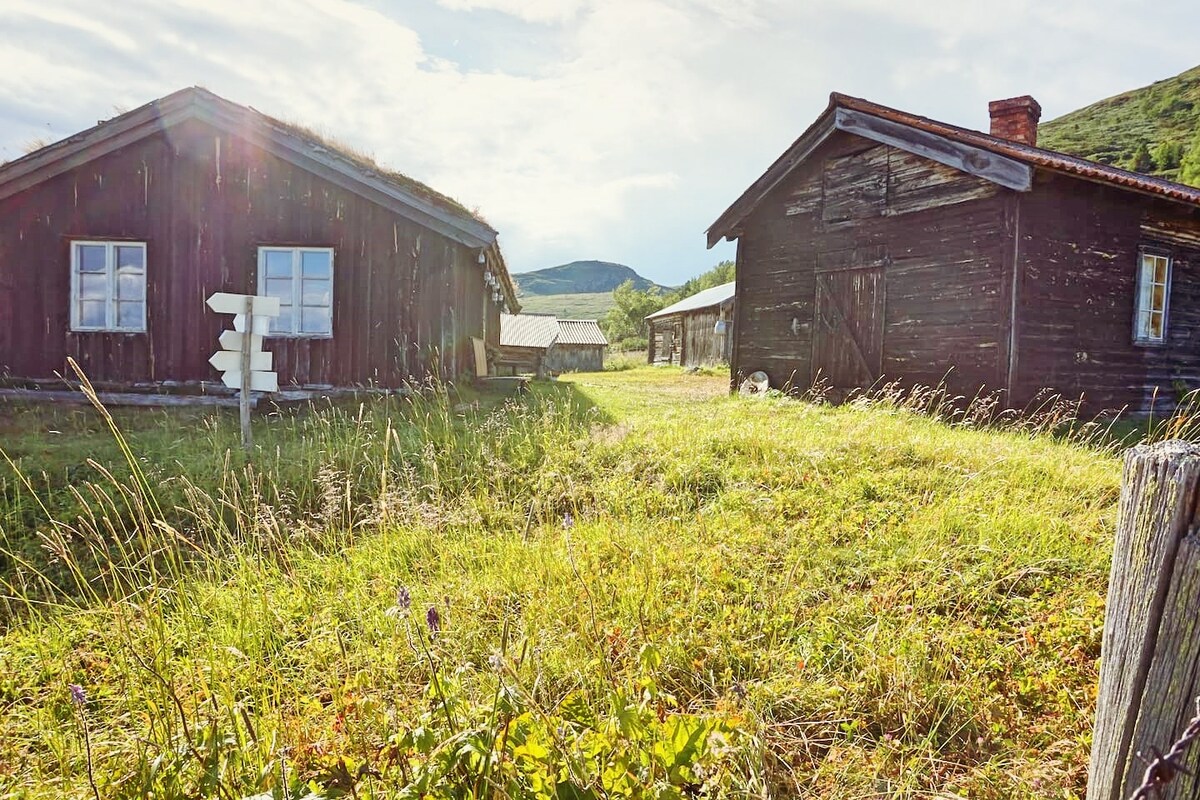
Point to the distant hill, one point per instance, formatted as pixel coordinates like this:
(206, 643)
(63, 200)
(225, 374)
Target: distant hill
(1154, 129)
(579, 277)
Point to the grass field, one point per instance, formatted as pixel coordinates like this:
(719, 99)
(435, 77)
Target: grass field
(568, 306)
(625, 584)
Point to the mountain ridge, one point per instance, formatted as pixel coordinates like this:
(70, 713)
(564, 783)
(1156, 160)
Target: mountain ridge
(580, 277)
(1153, 129)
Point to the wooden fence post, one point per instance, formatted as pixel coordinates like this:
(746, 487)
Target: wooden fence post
(1150, 657)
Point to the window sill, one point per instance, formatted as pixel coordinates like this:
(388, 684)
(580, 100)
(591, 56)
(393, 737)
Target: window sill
(299, 336)
(109, 330)
(1151, 343)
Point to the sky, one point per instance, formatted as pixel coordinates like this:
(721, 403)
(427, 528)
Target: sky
(616, 130)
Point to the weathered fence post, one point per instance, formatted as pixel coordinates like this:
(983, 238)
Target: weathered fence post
(1150, 657)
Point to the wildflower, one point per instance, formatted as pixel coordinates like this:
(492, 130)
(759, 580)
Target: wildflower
(568, 521)
(433, 619)
(78, 695)
(403, 603)
(495, 662)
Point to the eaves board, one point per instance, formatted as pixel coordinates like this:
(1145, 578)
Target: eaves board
(998, 169)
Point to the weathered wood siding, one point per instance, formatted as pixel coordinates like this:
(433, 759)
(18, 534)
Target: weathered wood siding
(936, 240)
(575, 358)
(666, 337)
(1078, 249)
(406, 299)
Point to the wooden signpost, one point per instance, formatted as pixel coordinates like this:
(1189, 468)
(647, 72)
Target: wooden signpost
(243, 363)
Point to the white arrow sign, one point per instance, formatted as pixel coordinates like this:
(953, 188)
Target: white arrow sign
(231, 340)
(231, 361)
(225, 303)
(262, 325)
(259, 381)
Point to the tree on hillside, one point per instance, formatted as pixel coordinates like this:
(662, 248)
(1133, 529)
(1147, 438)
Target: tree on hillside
(1189, 165)
(721, 273)
(1141, 161)
(625, 323)
(1168, 155)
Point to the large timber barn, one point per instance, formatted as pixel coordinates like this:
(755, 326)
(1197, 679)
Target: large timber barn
(886, 246)
(111, 240)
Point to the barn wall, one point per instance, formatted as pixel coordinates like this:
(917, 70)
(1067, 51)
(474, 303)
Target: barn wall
(666, 336)
(925, 246)
(406, 299)
(1079, 254)
(575, 358)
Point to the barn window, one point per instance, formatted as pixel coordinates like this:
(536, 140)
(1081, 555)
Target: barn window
(108, 286)
(1154, 288)
(302, 279)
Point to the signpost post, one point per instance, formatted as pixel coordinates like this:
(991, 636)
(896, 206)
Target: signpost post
(243, 364)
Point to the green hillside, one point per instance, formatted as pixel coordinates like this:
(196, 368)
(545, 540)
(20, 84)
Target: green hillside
(586, 305)
(578, 277)
(1154, 129)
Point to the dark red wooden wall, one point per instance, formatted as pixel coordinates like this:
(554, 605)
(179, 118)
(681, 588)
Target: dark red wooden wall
(951, 264)
(931, 240)
(406, 299)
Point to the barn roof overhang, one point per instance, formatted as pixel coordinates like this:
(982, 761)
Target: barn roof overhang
(406, 197)
(1007, 163)
(975, 160)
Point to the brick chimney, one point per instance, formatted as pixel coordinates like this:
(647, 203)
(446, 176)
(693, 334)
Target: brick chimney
(1015, 119)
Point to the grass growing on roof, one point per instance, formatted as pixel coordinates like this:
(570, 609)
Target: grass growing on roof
(642, 587)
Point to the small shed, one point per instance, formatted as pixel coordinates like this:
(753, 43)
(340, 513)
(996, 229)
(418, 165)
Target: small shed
(525, 341)
(579, 348)
(695, 332)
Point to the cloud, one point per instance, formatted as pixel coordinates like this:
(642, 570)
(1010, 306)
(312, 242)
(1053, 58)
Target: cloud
(615, 129)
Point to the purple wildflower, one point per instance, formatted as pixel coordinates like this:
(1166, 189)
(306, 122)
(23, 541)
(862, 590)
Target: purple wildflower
(433, 619)
(568, 521)
(78, 695)
(403, 599)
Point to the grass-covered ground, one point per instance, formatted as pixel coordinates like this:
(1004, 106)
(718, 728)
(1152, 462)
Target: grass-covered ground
(586, 305)
(628, 584)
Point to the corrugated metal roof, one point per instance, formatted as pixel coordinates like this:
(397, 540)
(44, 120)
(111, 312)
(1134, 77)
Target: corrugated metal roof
(704, 299)
(580, 331)
(528, 330)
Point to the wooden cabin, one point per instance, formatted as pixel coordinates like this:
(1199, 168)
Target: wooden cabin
(695, 332)
(111, 240)
(544, 344)
(579, 348)
(886, 246)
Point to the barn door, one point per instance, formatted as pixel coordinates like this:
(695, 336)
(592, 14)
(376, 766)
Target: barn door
(848, 335)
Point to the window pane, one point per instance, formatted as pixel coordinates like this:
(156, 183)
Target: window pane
(90, 257)
(282, 323)
(93, 287)
(91, 314)
(316, 293)
(1160, 270)
(315, 320)
(131, 286)
(1158, 297)
(1156, 325)
(315, 265)
(279, 263)
(281, 288)
(130, 259)
(129, 315)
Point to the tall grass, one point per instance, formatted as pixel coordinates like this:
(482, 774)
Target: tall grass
(621, 585)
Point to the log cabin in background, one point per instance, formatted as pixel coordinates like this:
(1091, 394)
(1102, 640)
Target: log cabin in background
(543, 344)
(695, 332)
(886, 246)
(111, 240)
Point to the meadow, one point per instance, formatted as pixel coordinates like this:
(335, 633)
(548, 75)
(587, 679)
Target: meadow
(622, 584)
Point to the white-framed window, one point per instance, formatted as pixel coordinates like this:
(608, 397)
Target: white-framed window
(1153, 292)
(108, 286)
(302, 279)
